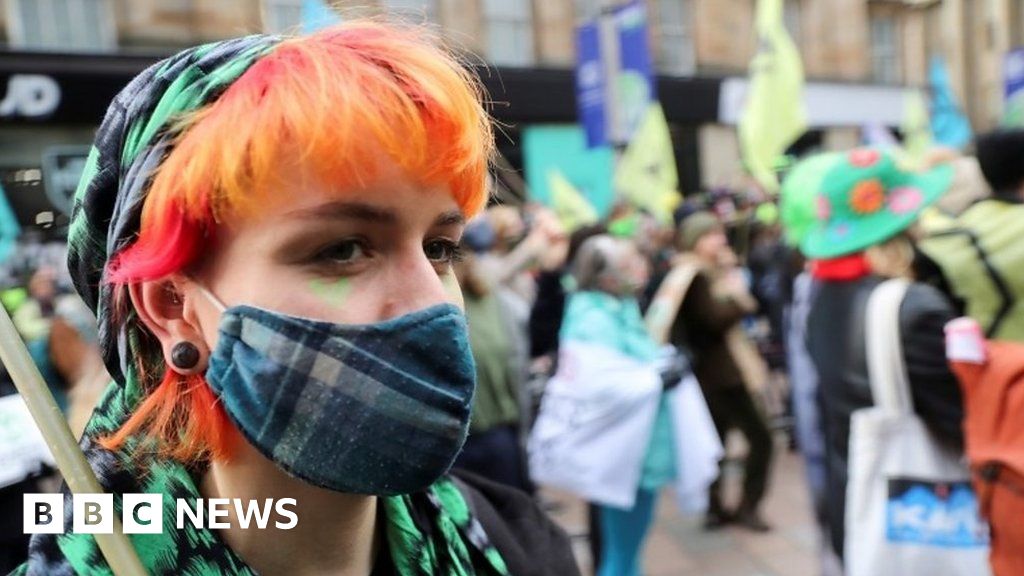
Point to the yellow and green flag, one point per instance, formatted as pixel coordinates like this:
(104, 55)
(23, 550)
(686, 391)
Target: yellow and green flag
(646, 175)
(571, 208)
(917, 130)
(774, 115)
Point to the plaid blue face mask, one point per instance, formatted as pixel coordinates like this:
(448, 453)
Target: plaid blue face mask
(377, 408)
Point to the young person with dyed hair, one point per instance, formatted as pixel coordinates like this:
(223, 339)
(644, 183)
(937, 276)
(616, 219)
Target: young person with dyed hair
(265, 229)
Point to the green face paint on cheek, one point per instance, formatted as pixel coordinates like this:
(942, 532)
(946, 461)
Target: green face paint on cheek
(334, 293)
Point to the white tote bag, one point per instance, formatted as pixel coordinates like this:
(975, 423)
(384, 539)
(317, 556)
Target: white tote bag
(594, 424)
(910, 509)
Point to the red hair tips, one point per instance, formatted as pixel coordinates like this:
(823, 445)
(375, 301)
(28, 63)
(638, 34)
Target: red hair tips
(184, 417)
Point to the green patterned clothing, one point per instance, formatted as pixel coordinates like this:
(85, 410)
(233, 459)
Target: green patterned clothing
(434, 532)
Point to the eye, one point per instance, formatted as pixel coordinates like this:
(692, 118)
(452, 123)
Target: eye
(342, 252)
(442, 251)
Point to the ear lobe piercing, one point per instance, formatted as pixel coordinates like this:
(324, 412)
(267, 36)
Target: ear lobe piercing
(185, 355)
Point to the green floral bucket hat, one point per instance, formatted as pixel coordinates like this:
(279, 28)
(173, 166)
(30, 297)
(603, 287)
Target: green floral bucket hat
(799, 193)
(867, 198)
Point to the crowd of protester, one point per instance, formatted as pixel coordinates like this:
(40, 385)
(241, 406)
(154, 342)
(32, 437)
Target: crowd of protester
(738, 307)
(763, 308)
(546, 304)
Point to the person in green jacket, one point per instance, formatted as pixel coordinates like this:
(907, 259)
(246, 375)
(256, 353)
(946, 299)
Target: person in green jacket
(265, 229)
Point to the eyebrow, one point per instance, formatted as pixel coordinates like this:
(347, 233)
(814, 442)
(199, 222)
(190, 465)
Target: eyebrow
(369, 213)
(451, 218)
(348, 211)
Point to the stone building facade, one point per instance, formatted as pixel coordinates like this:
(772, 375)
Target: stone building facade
(862, 52)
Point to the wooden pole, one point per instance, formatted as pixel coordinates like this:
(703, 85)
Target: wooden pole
(116, 547)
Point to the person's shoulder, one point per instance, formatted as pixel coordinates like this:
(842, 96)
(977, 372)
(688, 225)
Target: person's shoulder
(923, 297)
(926, 308)
(527, 539)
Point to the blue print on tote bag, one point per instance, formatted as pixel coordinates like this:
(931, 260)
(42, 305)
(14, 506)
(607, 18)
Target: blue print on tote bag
(940, 514)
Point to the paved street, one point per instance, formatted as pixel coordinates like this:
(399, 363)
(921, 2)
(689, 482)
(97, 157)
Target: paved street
(680, 547)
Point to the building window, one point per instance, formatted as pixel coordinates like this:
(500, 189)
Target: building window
(66, 25)
(674, 42)
(1017, 24)
(282, 16)
(886, 64)
(417, 11)
(509, 32)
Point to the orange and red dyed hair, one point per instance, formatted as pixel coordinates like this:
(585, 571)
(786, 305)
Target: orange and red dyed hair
(328, 103)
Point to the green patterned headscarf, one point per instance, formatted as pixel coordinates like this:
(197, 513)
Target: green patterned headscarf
(134, 138)
(430, 532)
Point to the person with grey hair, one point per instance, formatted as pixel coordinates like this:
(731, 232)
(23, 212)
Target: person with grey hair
(610, 265)
(611, 383)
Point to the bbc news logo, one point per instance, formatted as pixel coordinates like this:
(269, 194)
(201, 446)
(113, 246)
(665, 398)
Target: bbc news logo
(143, 513)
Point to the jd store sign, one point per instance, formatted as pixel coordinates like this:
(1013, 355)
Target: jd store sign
(62, 89)
(30, 96)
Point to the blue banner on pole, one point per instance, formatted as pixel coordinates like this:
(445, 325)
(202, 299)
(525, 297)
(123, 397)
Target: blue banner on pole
(635, 82)
(590, 84)
(949, 125)
(1013, 72)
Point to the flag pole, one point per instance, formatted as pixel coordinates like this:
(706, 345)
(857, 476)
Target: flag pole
(116, 547)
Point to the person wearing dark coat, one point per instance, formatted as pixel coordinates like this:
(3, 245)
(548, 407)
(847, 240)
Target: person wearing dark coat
(713, 307)
(866, 209)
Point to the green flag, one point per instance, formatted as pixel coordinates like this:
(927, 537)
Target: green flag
(774, 114)
(571, 208)
(646, 174)
(917, 130)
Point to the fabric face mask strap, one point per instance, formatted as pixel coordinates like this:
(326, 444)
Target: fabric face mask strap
(213, 299)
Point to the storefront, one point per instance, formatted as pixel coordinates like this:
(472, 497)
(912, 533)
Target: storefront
(51, 104)
(522, 97)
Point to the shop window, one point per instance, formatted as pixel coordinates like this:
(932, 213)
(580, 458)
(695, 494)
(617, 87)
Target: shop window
(417, 11)
(509, 32)
(62, 25)
(674, 41)
(282, 16)
(886, 63)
